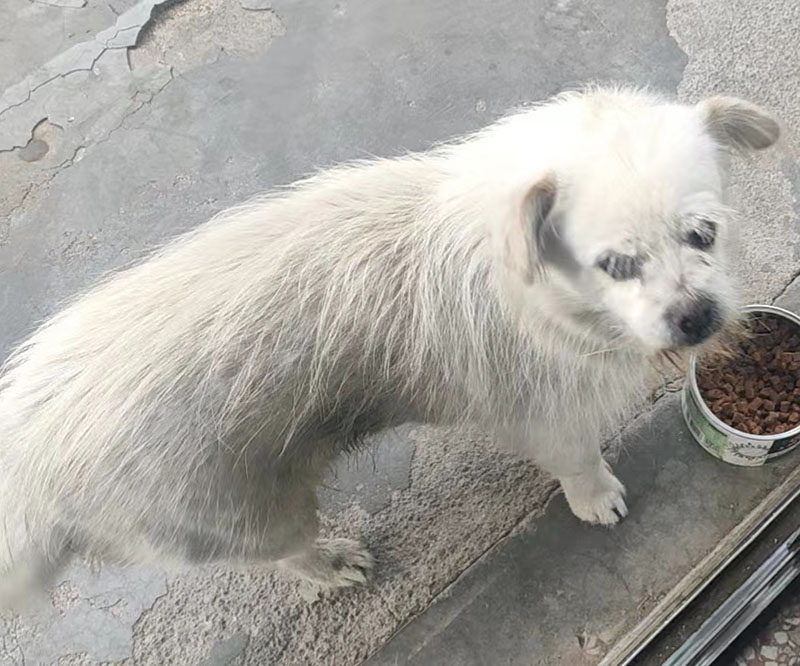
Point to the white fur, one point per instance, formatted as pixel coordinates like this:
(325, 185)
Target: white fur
(186, 408)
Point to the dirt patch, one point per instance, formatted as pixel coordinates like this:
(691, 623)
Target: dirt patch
(197, 32)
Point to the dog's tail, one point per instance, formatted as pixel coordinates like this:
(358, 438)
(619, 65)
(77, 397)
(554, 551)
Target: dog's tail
(29, 557)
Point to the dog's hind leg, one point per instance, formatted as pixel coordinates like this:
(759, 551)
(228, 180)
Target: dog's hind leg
(283, 529)
(327, 563)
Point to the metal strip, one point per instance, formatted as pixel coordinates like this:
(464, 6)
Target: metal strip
(739, 610)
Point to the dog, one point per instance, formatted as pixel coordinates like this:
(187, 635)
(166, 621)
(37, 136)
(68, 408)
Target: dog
(520, 279)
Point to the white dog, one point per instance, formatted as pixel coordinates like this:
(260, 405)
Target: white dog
(520, 279)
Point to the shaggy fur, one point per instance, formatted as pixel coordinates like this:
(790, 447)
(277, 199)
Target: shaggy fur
(185, 409)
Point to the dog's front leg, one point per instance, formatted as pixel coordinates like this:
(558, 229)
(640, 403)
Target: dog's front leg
(593, 492)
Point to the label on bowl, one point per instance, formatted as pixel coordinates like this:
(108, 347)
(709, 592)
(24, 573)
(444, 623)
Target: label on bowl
(742, 451)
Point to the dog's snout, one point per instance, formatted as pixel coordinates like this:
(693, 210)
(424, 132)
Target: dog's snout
(695, 321)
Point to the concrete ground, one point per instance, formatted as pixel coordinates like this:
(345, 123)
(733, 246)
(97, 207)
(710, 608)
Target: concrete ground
(126, 121)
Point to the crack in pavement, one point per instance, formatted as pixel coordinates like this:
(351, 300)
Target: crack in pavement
(32, 136)
(25, 194)
(138, 16)
(67, 162)
(794, 277)
(81, 148)
(82, 57)
(62, 4)
(87, 113)
(60, 75)
(97, 605)
(139, 107)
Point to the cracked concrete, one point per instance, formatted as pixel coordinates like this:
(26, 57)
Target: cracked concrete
(91, 614)
(49, 30)
(80, 58)
(138, 120)
(80, 96)
(89, 91)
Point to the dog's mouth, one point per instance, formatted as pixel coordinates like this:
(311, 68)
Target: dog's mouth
(723, 340)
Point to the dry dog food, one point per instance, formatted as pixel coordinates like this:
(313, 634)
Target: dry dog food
(757, 390)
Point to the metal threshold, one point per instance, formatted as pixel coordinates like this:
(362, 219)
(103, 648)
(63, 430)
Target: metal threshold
(725, 592)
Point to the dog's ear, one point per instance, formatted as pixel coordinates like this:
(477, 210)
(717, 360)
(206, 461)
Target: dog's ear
(524, 239)
(738, 124)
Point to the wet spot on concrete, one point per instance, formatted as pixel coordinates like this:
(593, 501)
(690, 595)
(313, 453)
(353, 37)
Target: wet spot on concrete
(38, 145)
(224, 652)
(35, 150)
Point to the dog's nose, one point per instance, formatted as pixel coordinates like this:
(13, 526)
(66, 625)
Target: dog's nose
(694, 322)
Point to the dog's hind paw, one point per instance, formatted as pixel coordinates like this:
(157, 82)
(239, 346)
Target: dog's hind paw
(346, 562)
(596, 497)
(333, 564)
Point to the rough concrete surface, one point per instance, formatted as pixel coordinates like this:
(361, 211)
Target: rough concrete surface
(125, 122)
(751, 49)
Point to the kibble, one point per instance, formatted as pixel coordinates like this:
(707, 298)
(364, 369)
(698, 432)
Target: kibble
(757, 389)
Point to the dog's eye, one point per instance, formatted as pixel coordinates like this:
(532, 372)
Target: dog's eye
(703, 236)
(620, 266)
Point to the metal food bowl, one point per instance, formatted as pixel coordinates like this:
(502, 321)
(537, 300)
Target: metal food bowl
(723, 441)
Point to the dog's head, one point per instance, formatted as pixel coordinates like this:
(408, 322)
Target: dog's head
(631, 219)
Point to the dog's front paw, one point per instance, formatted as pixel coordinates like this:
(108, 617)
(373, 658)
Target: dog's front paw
(597, 497)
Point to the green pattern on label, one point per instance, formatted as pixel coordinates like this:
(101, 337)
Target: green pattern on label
(705, 433)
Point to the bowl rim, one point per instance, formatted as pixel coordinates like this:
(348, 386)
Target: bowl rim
(704, 408)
